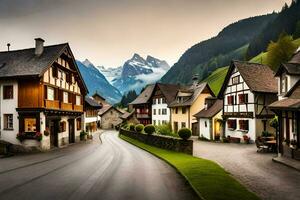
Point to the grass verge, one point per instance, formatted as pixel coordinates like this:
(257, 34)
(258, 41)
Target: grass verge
(208, 179)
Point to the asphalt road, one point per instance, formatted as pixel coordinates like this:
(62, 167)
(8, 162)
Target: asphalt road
(111, 170)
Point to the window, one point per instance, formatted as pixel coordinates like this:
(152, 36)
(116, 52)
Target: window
(164, 122)
(231, 124)
(244, 125)
(176, 110)
(230, 100)
(159, 112)
(235, 80)
(183, 110)
(154, 101)
(283, 85)
(62, 127)
(8, 121)
(164, 111)
(66, 97)
(164, 100)
(30, 124)
(205, 124)
(183, 124)
(78, 124)
(50, 93)
(78, 100)
(243, 98)
(111, 112)
(8, 92)
(159, 101)
(154, 122)
(154, 111)
(55, 72)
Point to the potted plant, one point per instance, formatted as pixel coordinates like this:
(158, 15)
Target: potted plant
(83, 135)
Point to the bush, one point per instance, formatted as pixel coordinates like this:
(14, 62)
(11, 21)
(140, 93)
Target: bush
(139, 128)
(185, 133)
(164, 129)
(131, 127)
(149, 129)
(82, 135)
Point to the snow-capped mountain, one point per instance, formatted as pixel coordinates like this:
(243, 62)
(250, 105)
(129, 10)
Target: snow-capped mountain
(137, 72)
(96, 81)
(111, 73)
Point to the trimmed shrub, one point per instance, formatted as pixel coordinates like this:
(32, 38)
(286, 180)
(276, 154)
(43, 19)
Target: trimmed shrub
(149, 129)
(139, 128)
(185, 133)
(131, 127)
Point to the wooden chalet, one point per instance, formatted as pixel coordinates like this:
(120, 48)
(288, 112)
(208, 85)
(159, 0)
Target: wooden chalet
(91, 117)
(43, 91)
(142, 106)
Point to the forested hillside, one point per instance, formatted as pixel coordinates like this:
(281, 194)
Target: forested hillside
(288, 20)
(204, 57)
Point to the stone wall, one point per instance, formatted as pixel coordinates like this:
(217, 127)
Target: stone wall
(164, 142)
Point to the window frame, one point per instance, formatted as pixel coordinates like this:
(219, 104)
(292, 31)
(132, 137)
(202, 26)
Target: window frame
(8, 95)
(6, 122)
(48, 89)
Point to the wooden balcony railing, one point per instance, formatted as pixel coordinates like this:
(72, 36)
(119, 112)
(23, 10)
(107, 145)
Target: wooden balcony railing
(66, 106)
(52, 104)
(78, 107)
(141, 115)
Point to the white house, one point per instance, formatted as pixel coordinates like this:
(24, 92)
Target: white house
(210, 119)
(247, 91)
(162, 96)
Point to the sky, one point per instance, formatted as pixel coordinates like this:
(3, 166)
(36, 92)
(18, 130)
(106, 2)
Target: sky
(109, 32)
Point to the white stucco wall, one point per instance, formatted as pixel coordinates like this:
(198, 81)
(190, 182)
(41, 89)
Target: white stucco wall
(205, 131)
(159, 118)
(240, 133)
(8, 106)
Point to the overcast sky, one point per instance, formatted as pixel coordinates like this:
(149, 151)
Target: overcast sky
(109, 32)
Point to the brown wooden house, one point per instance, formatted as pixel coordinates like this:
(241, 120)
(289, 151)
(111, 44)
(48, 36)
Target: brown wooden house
(43, 92)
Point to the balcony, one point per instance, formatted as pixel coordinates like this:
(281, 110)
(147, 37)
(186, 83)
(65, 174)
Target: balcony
(66, 106)
(143, 116)
(52, 104)
(78, 108)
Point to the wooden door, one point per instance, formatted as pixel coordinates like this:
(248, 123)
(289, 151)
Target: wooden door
(53, 125)
(195, 130)
(71, 131)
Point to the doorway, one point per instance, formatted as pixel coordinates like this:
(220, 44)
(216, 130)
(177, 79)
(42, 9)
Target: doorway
(71, 131)
(195, 130)
(54, 129)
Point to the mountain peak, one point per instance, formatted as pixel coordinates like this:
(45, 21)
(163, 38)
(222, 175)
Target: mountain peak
(137, 57)
(87, 63)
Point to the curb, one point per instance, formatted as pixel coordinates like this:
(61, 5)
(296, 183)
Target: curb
(285, 164)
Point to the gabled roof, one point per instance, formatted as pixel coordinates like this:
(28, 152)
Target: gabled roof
(98, 95)
(25, 63)
(126, 115)
(292, 67)
(195, 92)
(106, 108)
(169, 91)
(90, 101)
(258, 77)
(212, 111)
(145, 96)
(291, 101)
(296, 57)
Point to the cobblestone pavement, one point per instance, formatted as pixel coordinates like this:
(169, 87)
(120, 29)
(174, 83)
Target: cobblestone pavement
(257, 171)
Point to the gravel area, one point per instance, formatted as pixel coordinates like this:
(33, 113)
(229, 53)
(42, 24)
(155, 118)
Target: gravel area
(257, 171)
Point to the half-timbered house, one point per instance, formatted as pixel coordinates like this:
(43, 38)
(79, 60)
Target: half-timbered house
(41, 91)
(247, 91)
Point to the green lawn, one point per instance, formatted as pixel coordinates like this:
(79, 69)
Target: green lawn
(209, 180)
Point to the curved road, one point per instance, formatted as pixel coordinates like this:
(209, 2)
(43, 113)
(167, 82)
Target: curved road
(111, 170)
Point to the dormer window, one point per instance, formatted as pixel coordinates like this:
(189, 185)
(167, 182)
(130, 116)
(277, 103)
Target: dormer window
(283, 84)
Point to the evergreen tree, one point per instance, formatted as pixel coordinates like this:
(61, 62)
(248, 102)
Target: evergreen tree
(280, 51)
(297, 31)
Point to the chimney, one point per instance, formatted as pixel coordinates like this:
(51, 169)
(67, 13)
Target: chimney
(39, 46)
(195, 80)
(8, 45)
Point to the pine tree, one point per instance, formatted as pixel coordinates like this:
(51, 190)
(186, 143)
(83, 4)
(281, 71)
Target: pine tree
(280, 51)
